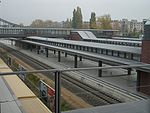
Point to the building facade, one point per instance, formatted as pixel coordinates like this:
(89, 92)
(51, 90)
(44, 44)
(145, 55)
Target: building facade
(131, 27)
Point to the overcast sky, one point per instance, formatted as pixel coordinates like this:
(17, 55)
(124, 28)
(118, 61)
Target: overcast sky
(25, 11)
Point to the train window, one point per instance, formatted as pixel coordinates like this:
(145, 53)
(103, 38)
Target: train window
(101, 51)
(67, 45)
(89, 49)
(115, 53)
(121, 54)
(83, 48)
(63, 45)
(128, 55)
(124, 43)
(136, 45)
(94, 50)
(76, 47)
(86, 48)
(136, 57)
(70, 46)
(80, 47)
(104, 51)
(73, 46)
(109, 52)
(115, 43)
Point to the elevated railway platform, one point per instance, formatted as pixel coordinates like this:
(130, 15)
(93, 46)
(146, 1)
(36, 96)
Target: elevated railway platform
(16, 97)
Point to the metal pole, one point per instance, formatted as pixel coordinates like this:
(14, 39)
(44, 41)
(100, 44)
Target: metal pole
(100, 71)
(46, 50)
(38, 49)
(65, 54)
(80, 58)
(57, 92)
(59, 56)
(54, 51)
(129, 71)
(75, 61)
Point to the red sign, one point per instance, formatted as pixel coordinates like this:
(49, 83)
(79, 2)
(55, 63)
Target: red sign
(51, 91)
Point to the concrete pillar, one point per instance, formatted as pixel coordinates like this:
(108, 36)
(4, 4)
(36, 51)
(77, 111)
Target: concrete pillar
(59, 56)
(129, 71)
(75, 61)
(100, 71)
(80, 58)
(138, 80)
(38, 49)
(65, 54)
(46, 50)
(125, 55)
(112, 53)
(54, 51)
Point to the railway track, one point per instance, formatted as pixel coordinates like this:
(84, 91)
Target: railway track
(89, 94)
(89, 90)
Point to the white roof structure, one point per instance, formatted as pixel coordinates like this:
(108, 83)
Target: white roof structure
(86, 34)
(129, 49)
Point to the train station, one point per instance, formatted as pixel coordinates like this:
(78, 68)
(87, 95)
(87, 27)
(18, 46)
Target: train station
(118, 70)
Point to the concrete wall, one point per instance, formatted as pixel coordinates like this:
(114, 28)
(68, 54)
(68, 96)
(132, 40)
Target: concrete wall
(145, 83)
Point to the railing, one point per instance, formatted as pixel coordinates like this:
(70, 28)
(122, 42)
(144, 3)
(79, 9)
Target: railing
(58, 77)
